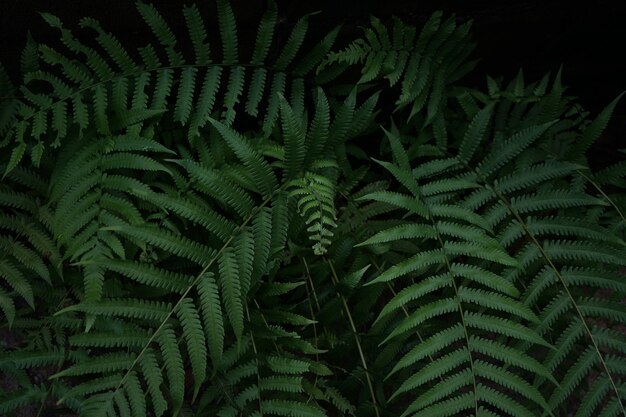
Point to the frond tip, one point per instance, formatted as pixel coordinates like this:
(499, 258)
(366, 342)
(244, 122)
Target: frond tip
(315, 196)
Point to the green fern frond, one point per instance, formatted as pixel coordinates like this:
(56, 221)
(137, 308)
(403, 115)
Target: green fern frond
(593, 131)
(167, 241)
(107, 93)
(196, 344)
(257, 167)
(212, 317)
(487, 297)
(161, 30)
(130, 308)
(231, 288)
(316, 196)
(294, 137)
(522, 216)
(173, 362)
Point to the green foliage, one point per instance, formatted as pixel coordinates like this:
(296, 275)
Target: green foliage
(311, 230)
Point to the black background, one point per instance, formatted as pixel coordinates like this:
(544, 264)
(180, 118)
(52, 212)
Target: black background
(588, 38)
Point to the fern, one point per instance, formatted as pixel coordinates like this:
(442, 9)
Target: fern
(198, 227)
(25, 241)
(546, 258)
(463, 352)
(133, 92)
(422, 64)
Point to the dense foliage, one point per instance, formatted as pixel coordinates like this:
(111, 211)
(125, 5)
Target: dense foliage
(317, 228)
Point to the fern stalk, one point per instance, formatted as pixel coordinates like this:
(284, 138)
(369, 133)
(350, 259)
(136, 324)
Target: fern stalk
(604, 195)
(346, 309)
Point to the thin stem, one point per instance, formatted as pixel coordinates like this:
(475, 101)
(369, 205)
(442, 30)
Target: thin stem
(308, 274)
(356, 338)
(308, 293)
(608, 199)
(256, 304)
(256, 359)
(58, 368)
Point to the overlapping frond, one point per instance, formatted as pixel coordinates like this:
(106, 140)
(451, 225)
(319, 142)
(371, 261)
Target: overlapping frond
(116, 87)
(540, 218)
(29, 256)
(422, 64)
(448, 278)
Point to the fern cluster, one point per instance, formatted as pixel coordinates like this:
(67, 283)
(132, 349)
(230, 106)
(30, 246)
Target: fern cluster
(317, 229)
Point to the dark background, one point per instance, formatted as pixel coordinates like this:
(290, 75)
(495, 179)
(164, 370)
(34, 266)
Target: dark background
(588, 38)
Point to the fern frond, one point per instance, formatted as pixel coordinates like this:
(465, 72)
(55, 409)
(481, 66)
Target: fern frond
(130, 308)
(224, 191)
(196, 344)
(16, 281)
(212, 317)
(16, 400)
(197, 33)
(173, 362)
(421, 66)
(231, 288)
(526, 216)
(167, 241)
(128, 95)
(593, 131)
(162, 31)
(132, 339)
(294, 137)
(182, 110)
(212, 221)
(296, 37)
(153, 377)
(316, 204)
(487, 296)
(265, 33)
(228, 31)
(257, 167)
